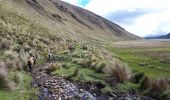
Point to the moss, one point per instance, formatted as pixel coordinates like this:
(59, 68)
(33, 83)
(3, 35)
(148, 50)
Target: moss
(107, 89)
(126, 86)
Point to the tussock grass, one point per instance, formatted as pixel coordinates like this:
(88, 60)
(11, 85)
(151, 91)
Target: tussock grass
(145, 83)
(154, 87)
(137, 77)
(5, 84)
(53, 67)
(100, 67)
(120, 72)
(158, 88)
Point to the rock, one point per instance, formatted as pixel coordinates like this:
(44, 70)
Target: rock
(81, 90)
(114, 95)
(61, 90)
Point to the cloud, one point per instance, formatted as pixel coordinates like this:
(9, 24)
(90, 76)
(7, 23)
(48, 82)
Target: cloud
(125, 16)
(141, 17)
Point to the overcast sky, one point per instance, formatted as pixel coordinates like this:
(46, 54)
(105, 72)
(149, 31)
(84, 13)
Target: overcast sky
(140, 17)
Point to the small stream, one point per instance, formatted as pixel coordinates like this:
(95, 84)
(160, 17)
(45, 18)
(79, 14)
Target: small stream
(57, 88)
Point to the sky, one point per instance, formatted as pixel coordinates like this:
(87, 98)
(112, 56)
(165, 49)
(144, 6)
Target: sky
(140, 17)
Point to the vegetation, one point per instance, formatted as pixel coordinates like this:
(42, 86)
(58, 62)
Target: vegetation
(117, 68)
(53, 67)
(120, 72)
(152, 67)
(154, 88)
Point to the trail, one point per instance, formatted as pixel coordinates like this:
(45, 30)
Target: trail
(56, 87)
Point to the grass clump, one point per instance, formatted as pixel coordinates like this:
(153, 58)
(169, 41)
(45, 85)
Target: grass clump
(158, 88)
(100, 67)
(145, 83)
(137, 77)
(53, 67)
(154, 88)
(120, 72)
(5, 44)
(126, 86)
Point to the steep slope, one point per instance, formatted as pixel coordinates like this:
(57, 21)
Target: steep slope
(68, 20)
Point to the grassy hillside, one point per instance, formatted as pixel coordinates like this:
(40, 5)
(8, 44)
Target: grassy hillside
(70, 21)
(85, 43)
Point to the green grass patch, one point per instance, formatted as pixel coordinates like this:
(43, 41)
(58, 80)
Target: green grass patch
(126, 86)
(130, 56)
(23, 91)
(86, 74)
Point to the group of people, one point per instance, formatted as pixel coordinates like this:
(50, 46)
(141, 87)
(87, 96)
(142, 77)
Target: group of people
(31, 61)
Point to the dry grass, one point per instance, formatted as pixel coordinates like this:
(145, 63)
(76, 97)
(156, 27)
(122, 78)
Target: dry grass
(53, 67)
(100, 67)
(154, 88)
(5, 84)
(120, 72)
(145, 83)
(137, 77)
(142, 44)
(3, 74)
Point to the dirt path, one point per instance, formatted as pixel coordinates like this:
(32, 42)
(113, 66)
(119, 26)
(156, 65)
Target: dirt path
(58, 88)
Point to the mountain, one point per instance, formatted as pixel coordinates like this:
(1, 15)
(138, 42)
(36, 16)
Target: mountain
(67, 20)
(167, 36)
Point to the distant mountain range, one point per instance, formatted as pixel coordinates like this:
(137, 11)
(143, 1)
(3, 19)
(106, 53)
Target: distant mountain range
(167, 36)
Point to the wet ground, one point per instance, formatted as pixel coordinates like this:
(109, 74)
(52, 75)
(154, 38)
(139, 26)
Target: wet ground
(58, 88)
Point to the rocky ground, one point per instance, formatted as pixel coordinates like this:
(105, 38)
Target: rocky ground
(58, 88)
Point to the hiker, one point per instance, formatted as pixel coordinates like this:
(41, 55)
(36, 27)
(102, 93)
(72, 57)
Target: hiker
(49, 56)
(31, 61)
(35, 59)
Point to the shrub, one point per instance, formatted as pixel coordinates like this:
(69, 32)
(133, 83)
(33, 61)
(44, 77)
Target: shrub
(19, 65)
(145, 83)
(17, 48)
(137, 77)
(86, 63)
(82, 62)
(77, 61)
(76, 54)
(5, 44)
(143, 64)
(165, 95)
(10, 85)
(72, 47)
(3, 74)
(155, 88)
(94, 64)
(84, 47)
(77, 72)
(17, 78)
(120, 72)
(100, 66)
(53, 67)
(93, 58)
(4, 83)
(158, 88)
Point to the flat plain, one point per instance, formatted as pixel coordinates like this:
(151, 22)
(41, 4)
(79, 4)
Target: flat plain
(149, 56)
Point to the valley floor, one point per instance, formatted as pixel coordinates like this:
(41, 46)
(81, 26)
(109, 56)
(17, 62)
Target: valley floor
(149, 56)
(89, 72)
